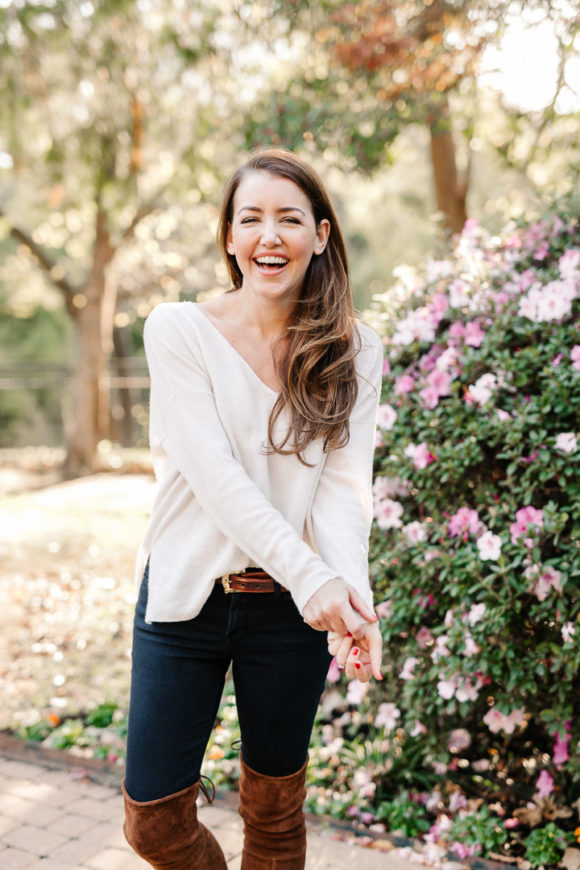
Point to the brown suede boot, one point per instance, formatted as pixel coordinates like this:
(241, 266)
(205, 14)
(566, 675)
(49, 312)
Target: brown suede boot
(167, 834)
(274, 826)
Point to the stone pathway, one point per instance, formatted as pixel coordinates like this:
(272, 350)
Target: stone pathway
(52, 820)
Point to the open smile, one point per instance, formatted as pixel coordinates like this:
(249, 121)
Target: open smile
(271, 265)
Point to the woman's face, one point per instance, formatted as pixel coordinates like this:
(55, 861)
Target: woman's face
(273, 235)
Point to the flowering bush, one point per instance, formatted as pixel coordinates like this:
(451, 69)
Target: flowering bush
(475, 552)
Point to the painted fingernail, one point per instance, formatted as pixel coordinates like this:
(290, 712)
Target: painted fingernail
(349, 634)
(355, 651)
(357, 665)
(381, 673)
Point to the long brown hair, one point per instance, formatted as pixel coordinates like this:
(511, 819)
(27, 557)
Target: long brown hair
(317, 366)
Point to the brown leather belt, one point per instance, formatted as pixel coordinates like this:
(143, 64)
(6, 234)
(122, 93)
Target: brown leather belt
(249, 580)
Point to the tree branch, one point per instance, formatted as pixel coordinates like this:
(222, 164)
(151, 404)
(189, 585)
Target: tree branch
(45, 262)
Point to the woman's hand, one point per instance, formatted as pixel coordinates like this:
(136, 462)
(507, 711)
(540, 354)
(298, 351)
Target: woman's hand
(339, 608)
(360, 656)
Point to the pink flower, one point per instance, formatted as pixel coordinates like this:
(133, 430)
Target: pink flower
(510, 824)
(502, 416)
(447, 688)
(561, 755)
(575, 356)
(418, 728)
(384, 609)
(462, 850)
(464, 522)
(387, 716)
(544, 579)
(458, 741)
(526, 518)
(386, 366)
(388, 514)
(557, 359)
(420, 455)
(566, 442)
(545, 785)
(429, 398)
(424, 638)
(569, 265)
(440, 647)
(489, 546)
(456, 330)
(474, 335)
(333, 675)
(467, 690)
(447, 360)
(471, 648)
(403, 385)
(386, 417)
(497, 721)
(440, 381)
(408, 668)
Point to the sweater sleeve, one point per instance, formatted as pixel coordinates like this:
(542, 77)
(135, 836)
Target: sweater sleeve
(193, 437)
(341, 513)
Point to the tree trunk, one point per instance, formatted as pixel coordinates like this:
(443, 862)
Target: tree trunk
(450, 191)
(121, 416)
(89, 419)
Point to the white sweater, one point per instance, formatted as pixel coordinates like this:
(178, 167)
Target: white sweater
(223, 503)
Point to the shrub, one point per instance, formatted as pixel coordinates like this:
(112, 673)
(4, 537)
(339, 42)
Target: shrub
(474, 552)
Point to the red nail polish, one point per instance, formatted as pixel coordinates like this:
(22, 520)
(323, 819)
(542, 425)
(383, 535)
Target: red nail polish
(381, 673)
(357, 665)
(355, 651)
(349, 634)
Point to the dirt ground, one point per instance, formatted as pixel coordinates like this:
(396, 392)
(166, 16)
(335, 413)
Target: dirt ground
(67, 554)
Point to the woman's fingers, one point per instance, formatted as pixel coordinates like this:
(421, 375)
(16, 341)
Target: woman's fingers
(359, 604)
(343, 650)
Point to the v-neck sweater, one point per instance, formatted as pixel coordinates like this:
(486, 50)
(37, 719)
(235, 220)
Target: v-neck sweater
(225, 503)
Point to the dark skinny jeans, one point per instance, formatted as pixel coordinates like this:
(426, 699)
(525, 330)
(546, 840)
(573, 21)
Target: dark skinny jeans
(279, 665)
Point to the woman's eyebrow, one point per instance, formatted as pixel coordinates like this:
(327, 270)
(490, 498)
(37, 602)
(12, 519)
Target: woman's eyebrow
(281, 210)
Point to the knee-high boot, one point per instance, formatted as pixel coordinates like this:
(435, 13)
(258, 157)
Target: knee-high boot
(167, 833)
(274, 825)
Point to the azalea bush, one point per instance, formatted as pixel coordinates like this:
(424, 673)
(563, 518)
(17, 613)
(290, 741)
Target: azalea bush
(475, 551)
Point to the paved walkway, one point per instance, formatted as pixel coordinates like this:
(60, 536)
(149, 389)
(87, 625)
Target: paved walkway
(50, 820)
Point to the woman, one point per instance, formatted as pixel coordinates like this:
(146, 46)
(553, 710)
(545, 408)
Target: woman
(263, 405)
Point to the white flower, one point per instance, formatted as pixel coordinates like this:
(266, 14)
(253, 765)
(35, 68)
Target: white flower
(414, 532)
(387, 716)
(388, 514)
(482, 390)
(489, 546)
(386, 417)
(356, 692)
(440, 648)
(475, 614)
(566, 442)
(446, 688)
(568, 631)
(471, 648)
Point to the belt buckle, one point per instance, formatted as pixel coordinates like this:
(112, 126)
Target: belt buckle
(226, 584)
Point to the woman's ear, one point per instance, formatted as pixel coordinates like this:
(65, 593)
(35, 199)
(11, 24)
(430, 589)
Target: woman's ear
(229, 242)
(322, 235)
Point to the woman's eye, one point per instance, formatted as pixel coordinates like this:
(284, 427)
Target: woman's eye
(248, 220)
(291, 220)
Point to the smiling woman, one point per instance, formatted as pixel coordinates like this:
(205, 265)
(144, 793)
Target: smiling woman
(263, 407)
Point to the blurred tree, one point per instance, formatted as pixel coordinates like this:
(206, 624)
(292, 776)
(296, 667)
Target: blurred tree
(105, 153)
(376, 65)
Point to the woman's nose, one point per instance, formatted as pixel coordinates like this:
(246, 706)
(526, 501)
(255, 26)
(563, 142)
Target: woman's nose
(270, 234)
